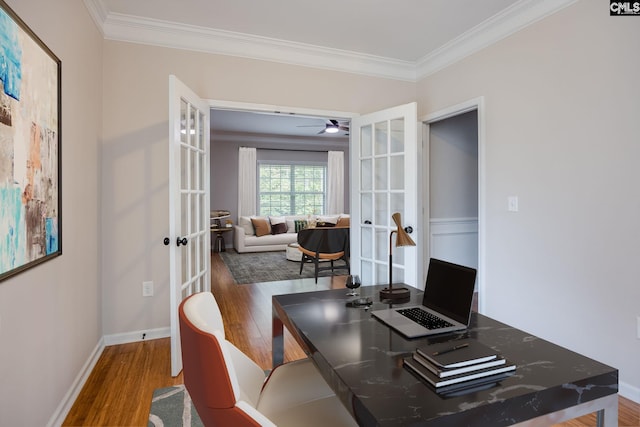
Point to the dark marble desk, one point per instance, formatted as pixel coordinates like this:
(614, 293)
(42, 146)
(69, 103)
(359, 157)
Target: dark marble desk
(361, 359)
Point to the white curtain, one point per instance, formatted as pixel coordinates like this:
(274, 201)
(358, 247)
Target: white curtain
(335, 182)
(246, 181)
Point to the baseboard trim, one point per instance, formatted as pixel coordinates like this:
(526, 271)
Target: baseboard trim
(69, 399)
(630, 392)
(135, 336)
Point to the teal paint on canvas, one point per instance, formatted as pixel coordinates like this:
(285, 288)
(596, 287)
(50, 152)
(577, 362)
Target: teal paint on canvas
(10, 56)
(12, 241)
(51, 230)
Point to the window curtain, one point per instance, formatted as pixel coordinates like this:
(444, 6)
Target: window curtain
(246, 181)
(335, 182)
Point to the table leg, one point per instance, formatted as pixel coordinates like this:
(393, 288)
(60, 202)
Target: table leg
(608, 416)
(277, 339)
(606, 409)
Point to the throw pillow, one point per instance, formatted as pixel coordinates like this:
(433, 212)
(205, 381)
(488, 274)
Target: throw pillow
(279, 228)
(261, 226)
(344, 221)
(300, 224)
(278, 224)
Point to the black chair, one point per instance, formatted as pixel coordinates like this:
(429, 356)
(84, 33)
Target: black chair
(320, 244)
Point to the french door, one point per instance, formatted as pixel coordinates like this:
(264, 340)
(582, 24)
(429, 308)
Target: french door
(189, 228)
(384, 164)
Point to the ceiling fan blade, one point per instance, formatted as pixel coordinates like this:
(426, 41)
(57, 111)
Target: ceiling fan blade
(322, 131)
(334, 122)
(344, 128)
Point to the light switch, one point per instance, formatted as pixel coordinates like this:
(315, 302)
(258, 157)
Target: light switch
(512, 204)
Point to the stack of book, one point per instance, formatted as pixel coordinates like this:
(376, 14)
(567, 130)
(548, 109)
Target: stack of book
(457, 364)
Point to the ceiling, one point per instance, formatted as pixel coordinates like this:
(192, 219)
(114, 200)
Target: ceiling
(403, 39)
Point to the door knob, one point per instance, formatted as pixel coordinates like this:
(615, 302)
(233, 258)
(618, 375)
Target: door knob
(182, 241)
(408, 229)
(166, 241)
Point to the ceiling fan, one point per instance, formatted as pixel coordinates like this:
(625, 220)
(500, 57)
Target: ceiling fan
(331, 126)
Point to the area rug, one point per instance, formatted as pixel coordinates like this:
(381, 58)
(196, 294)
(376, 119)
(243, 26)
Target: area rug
(171, 407)
(265, 267)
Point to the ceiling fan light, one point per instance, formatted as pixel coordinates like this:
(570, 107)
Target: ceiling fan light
(332, 129)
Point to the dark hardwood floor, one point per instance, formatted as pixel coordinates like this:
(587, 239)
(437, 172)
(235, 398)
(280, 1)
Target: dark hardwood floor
(118, 391)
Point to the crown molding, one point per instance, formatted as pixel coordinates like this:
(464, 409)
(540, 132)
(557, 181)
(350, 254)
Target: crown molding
(147, 31)
(509, 21)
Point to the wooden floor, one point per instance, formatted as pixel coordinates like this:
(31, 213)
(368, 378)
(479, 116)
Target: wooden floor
(119, 390)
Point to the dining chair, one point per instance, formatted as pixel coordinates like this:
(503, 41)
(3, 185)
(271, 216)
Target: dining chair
(227, 388)
(324, 244)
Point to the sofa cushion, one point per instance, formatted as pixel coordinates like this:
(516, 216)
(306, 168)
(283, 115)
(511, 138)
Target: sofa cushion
(343, 221)
(291, 222)
(261, 226)
(247, 225)
(270, 239)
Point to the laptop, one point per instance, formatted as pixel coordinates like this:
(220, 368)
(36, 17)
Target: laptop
(448, 296)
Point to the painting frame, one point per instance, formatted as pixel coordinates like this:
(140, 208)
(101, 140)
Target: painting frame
(30, 148)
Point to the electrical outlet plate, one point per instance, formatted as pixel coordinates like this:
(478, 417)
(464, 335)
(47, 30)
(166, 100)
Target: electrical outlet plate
(147, 289)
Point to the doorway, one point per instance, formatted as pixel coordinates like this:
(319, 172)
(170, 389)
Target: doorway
(452, 187)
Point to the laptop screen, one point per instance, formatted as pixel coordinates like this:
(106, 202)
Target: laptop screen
(449, 289)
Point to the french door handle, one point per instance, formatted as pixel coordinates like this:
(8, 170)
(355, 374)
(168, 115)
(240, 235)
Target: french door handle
(408, 229)
(182, 241)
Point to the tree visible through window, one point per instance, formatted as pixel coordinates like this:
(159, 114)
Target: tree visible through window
(291, 189)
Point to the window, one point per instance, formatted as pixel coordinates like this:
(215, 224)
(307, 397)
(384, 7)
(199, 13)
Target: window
(291, 189)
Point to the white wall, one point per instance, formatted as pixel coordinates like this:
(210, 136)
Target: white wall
(135, 153)
(562, 127)
(453, 167)
(50, 314)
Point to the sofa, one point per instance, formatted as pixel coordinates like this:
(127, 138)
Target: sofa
(264, 233)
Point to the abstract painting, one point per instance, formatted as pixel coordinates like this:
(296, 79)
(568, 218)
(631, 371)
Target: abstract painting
(30, 198)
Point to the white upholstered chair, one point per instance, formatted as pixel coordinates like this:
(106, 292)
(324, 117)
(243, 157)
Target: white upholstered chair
(229, 389)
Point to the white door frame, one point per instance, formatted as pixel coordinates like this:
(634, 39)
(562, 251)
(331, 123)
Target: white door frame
(454, 110)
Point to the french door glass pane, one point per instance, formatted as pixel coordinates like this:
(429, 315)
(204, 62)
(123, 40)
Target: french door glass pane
(396, 176)
(184, 108)
(365, 142)
(365, 175)
(381, 209)
(366, 207)
(381, 137)
(380, 178)
(382, 242)
(367, 243)
(397, 136)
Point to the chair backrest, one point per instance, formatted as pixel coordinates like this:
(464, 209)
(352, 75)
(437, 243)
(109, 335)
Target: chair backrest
(329, 240)
(208, 368)
(204, 312)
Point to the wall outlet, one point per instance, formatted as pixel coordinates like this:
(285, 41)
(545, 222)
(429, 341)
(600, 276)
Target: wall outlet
(147, 289)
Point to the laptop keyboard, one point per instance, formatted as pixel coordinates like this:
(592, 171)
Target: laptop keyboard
(424, 318)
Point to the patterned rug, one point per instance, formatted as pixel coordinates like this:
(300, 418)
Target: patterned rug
(266, 267)
(171, 407)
